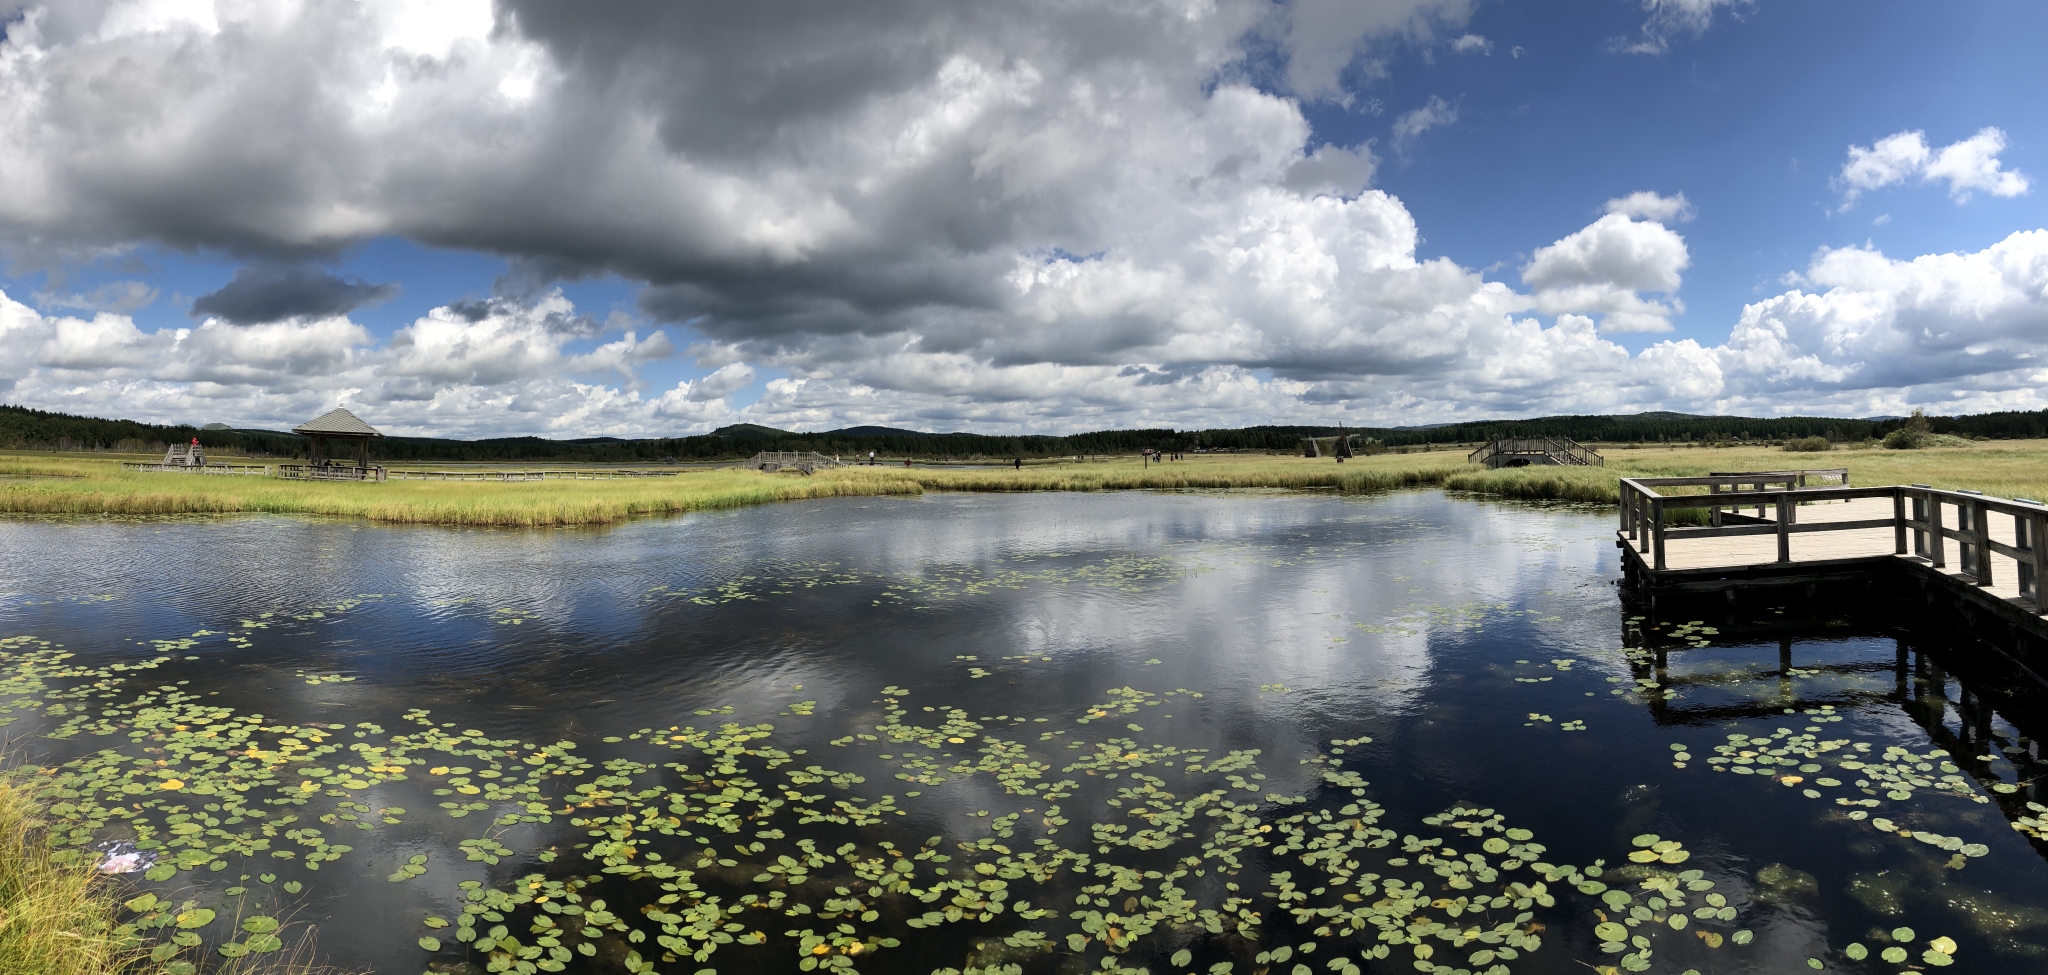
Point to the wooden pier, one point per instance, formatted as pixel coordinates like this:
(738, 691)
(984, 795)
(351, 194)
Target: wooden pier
(1980, 557)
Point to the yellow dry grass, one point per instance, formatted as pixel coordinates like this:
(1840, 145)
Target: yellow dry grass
(98, 486)
(57, 917)
(106, 489)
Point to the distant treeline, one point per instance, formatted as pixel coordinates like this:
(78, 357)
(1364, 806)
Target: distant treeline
(22, 428)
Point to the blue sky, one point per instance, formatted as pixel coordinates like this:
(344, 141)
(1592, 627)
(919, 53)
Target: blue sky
(1750, 120)
(1032, 220)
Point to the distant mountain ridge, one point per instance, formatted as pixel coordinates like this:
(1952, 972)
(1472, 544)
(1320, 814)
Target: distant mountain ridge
(24, 428)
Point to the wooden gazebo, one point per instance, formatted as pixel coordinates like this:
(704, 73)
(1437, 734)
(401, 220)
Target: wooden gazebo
(340, 449)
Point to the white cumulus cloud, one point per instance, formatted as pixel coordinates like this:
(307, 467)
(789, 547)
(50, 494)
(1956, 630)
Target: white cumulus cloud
(1968, 166)
(1649, 205)
(1672, 19)
(1472, 44)
(1412, 124)
(1605, 267)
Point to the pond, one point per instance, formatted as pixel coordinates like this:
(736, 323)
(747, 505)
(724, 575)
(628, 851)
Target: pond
(1230, 732)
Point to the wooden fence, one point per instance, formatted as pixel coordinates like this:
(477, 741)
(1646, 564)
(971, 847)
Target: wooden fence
(225, 470)
(574, 475)
(329, 472)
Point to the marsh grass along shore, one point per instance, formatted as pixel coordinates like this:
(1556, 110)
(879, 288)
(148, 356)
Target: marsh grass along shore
(46, 483)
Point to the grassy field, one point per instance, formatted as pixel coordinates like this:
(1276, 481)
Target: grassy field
(43, 483)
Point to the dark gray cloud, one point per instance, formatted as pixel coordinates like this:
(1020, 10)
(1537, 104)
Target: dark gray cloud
(273, 293)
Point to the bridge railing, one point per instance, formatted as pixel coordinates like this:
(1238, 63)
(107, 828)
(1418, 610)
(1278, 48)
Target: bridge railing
(1569, 451)
(1923, 521)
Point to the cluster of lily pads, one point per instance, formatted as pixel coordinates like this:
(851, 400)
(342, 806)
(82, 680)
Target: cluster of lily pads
(1099, 845)
(736, 845)
(1860, 776)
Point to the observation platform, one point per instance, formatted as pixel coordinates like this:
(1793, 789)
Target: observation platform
(1978, 557)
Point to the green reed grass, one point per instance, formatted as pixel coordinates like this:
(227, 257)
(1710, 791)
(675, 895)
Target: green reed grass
(109, 490)
(2005, 468)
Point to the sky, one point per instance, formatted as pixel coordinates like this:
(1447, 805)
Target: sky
(462, 218)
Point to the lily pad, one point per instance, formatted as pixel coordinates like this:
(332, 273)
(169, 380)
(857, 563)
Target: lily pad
(197, 917)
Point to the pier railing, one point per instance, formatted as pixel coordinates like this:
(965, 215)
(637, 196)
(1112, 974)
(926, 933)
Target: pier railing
(329, 472)
(543, 475)
(246, 470)
(1923, 521)
(801, 460)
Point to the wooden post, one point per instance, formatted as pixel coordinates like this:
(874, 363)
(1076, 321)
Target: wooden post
(1981, 523)
(1898, 521)
(1937, 551)
(1784, 528)
(2037, 537)
(1657, 531)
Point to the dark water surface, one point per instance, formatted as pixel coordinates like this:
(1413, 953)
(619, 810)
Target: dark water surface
(1281, 732)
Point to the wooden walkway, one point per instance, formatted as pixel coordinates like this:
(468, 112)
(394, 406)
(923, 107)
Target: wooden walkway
(1983, 554)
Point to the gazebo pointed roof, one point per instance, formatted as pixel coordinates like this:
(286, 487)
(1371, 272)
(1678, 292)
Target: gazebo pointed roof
(337, 423)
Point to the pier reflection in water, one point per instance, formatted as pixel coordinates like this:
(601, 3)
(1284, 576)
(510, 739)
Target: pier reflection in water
(1975, 710)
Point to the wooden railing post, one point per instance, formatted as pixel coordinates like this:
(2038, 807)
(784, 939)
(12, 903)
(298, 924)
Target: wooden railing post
(1898, 521)
(1657, 532)
(2024, 539)
(1980, 523)
(2038, 539)
(1937, 548)
(1919, 515)
(1784, 528)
